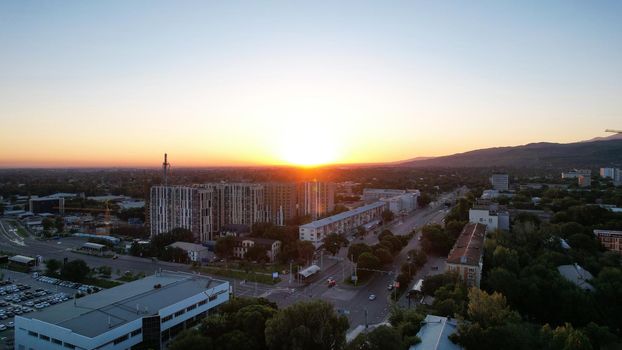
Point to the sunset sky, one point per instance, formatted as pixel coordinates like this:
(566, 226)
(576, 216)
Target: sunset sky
(118, 83)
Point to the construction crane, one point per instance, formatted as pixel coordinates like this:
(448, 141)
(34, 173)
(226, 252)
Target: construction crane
(614, 131)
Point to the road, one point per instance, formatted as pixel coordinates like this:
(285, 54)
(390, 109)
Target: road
(354, 301)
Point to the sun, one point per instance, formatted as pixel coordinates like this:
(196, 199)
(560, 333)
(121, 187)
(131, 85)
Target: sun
(309, 148)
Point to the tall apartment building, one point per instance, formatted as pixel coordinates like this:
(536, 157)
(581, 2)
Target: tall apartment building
(612, 173)
(500, 182)
(236, 203)
(280, 202)
(316, 198)
(186, 207)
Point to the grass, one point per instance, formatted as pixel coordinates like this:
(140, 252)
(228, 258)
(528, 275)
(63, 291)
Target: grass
(131, 277)
(20, 230)
(103, 283)
(242, 275)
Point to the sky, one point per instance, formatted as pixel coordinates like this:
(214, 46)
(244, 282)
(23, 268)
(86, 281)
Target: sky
(119, 83)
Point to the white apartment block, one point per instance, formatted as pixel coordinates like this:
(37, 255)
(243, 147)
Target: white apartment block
(173, 207)
(341, 223)
(500, 182)
(492, 216)
(398, 201)
(148, 312)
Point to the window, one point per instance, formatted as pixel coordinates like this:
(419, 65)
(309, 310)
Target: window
(33, 334)
(56, 341)
(69, 346)
(121, 339)
(136, 332)
(202, 302)
(179, 313)
(167, 318)
(44, 337)
(191, 307)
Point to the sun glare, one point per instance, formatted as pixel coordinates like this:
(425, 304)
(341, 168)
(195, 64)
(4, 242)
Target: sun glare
(307, 151)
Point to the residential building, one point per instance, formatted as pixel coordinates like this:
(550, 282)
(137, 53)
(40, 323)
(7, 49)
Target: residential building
(371, 195)
(316, 198)
(584, 180)
(47, 205)
(500, 182)
(242, 245)
(434, 334)
(188, 207)
(609, 173)
(236, 203)
(196, 252)
(280, 202)
(466, 256)
(492, 215)
(145, 313)
(341, 223)
(577, 275)
(398, 201)
(574, 174)
(611, 240)
(236, 230)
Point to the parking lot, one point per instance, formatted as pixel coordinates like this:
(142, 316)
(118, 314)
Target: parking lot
(21, 294)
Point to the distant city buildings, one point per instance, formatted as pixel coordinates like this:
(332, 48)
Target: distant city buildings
(398, 201)
(492, 215)
(466, 256)
(40, 205)
(612, 173)
(574, 174)
(611, 240)
(500, 182)
(196, 252)
(207, 209)
(146, 313)
(584, 180)
(341, 223)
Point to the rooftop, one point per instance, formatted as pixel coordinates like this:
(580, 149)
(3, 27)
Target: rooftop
(469, 247)
(577, 275)
(188, 246)
(344, 215)
(98, 313)
(435, 332)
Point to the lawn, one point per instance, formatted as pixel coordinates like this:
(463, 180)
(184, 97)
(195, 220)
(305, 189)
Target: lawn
(240, 274)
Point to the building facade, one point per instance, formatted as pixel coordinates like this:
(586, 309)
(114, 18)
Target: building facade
(574, 174)
(466, 256)
(146, 313)
(341, 223)
(493, 216)
(242, 245)
(316, 198)
(280, 202)
(47, 205)
(611, 240)
(500, 182)
(180, 207)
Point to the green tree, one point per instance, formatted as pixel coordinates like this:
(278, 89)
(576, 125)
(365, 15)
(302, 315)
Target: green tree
(75, 271)
(357, 249)
(333, 242)
(384, 256)
(52, 266)
(564, 338)
(381, 338)
(307, 325)
(256, 253)
(305, 250)
(191, 339)
(224, 246)
(105, 271)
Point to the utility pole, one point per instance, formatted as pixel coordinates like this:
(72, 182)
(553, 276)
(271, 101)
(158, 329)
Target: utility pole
(290, 272)
(366, 324)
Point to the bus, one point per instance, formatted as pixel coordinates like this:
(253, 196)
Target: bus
(416, 289)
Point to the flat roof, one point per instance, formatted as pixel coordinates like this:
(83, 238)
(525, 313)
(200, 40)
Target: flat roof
(117, 306)
(435, 332)
(577, 275)
(21, 259)
(93, 245)
(188, 246)
(344, 215)
(469, 247)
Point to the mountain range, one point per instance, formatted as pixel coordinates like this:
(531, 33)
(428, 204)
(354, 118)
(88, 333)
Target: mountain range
(594, 153)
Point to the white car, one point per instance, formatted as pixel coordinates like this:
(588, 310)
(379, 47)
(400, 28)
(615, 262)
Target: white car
(372, 297)
(2, 327)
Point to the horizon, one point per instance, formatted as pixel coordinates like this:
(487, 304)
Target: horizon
(269, 84)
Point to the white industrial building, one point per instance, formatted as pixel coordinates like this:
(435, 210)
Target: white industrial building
(341, 223)
(493, 216)
(149, 312)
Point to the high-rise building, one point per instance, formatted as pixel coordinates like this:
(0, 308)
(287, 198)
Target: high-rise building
(236, 203)
(316, 198)
(186, 207)
(280, 202)
(500, 182)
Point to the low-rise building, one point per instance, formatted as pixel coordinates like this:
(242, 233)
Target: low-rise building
(466, 256)
(577, 275)
(492, 215)
(242, 245)
(196, 252)
(584, 180)
(574, 174)
(435, 332)
(611, 240)
(148, 313)
(341, 223)
(47, 205)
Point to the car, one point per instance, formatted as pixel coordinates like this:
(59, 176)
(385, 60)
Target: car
(3, 317)
(114, 257)
(419, 238)
(331, 282)
(390, 286)
(10, 324)
(372, 297)
(2, 327)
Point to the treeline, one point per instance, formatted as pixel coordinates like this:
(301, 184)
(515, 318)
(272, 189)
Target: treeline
(158, 246)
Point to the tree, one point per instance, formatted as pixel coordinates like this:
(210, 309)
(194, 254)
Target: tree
(224, 246)
(361, 231)
(256, 253)
(105, 271)
(75, 271)
(356, 250)
(307, 325)
(423, 200)
(191, 339)
(59, 223)
(52, 266)
(305, 250)
(564, 338)
(48, 224)
(381, 338)
(387, 216)
(333, 242)
(384, 256)
(368, 261)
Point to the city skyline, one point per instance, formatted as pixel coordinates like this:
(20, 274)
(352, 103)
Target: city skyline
(275, 83)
